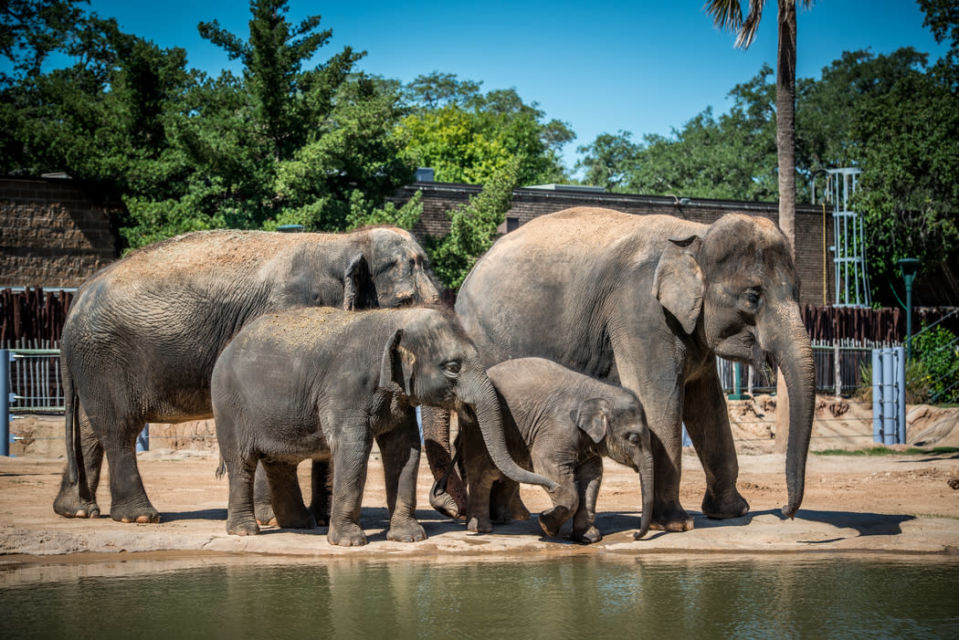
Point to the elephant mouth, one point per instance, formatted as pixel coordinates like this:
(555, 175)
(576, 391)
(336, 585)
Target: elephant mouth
(740, 347)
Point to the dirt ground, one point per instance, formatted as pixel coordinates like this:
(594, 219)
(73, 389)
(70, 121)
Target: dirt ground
(891, 504)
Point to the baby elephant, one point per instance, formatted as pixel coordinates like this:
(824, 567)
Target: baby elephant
(559, 422)
(322, 383)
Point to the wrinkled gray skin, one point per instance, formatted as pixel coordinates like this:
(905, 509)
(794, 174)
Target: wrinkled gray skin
(323, 384)
(558, 423)
(142, 337)
(649, 302)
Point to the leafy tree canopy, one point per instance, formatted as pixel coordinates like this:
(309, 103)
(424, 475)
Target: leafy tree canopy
(473, 226)
(893, 116)
(468, 136)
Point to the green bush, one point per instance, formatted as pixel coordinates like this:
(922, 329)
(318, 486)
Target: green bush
(917, 387)
(937, 351)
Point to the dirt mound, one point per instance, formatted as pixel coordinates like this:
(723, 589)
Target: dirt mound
(838, 423)
(933, 426)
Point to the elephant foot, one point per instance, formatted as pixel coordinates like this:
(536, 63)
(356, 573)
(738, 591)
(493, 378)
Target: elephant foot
(589, 536)
(408, 531)
(263, 512)
(321, 515)
(671, 519)
(298, 520)
(517, 509)
(479, 525)
(242, 527)
(71, 506)
(732, 505)
(346, 535)
(447, 505)
(139, 514)
(500, 514)
(551, 521)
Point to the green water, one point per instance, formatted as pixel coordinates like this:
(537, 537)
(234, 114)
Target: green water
(672, 597)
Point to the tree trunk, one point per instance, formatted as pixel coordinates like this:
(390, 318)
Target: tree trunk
(786, 152)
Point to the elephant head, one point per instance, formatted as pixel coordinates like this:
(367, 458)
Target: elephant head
(434, 363)
(621, 431)
(395, 269)
(735, 291)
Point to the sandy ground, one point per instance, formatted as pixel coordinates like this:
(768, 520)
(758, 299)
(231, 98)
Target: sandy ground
(894, 504)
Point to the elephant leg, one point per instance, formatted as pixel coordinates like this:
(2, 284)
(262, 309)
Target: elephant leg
(400, 448)
(708, 425)
(436, 441)
(505, 503)
(286, 497)
(262, 498)
(350, 458)
(589, 476)
(481, 479)
(662, 398)
(321, 488)
(78, 499)
(129, 502)
(240, 520)
(565, 497)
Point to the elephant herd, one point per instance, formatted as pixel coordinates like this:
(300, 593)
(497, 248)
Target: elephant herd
(585, 333)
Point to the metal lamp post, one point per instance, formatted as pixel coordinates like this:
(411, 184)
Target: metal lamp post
(909, 266)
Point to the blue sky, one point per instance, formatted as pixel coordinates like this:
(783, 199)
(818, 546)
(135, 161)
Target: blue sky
(600, 66)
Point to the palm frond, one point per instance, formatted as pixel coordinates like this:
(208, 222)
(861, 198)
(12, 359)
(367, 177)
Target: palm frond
(728, 15)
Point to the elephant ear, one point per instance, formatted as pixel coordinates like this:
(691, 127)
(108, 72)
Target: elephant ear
(358, 288)
(679, 283)
(592, 417)
(397, 365)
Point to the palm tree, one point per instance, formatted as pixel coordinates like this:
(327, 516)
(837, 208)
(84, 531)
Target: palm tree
(728, 14)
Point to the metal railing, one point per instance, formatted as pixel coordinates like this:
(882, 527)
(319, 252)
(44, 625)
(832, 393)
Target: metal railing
(763, 380)
(35, 382)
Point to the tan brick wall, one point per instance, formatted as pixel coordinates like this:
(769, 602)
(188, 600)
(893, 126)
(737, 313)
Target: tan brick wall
(53, 233)
(438, 198)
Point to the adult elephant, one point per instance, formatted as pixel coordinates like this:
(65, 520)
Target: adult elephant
(141, 339)
(649, 302)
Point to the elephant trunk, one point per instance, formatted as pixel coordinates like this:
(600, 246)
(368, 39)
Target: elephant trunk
(479, 394)
(793, 353)
(644, 462)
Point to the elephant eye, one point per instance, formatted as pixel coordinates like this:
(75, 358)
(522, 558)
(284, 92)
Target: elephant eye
(451, 368)
(633, 438)
(752, 297)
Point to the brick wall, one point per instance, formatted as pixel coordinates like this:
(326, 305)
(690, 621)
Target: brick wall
(438, 198)
(53, 232)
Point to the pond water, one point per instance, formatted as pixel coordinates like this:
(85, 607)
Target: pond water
(672, 596)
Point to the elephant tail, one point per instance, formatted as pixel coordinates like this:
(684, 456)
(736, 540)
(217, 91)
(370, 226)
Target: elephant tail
(74, 448)
(221, 468)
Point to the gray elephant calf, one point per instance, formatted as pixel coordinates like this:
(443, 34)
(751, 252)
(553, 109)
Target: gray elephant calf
(559, 423)
(323, 383)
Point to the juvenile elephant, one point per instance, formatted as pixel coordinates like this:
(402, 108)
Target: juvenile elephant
(142, 337)
(649, 302)
(558, 423)
(321, 383)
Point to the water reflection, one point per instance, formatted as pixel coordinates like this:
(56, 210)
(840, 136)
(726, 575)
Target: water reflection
(747, 597)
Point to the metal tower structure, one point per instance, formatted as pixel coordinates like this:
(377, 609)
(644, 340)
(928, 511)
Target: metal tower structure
(849, 250)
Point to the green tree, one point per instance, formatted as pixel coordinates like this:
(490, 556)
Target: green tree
(942, 18)
(473, 226)
(609, 161)
(30, 30)
(732, 156)
(468, 136)
(909, 190)
(285, 144)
